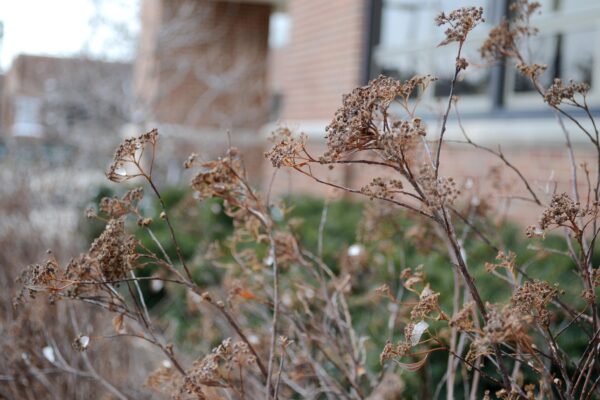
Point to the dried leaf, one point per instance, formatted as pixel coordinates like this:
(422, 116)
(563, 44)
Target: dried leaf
(246, 294)
(412, 367)
(417, 332)
(119, 324)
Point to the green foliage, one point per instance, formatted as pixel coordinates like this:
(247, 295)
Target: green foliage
(339, 230)
(200, 223)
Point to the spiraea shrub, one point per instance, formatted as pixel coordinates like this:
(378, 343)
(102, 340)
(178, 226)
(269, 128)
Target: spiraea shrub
(433, 300)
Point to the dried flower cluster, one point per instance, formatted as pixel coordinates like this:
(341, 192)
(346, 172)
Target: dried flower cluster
(130, 153)
(504, 325)
(504, 260)
(381, 187)
(356, 125)
(302, 320)
(219, 368)
(223, 178)
(461, 22)
(562, 210)
(116, 208)
(533, 298)
(110, 258)
(463, 320)
(113, 253)
(558, 92)
(411, 278)
(503, 40)
(41, 275)
(286, 148)
(531, 71)
(390, 351)
(402, 139)
(439, 191)
(428, 302)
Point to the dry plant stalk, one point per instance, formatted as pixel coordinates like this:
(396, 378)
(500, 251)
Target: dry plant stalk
(310, 346)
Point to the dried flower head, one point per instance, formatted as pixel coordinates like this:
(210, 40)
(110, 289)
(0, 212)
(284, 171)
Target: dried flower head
(562, 210)
(596, 277)
(428, 302)
(144, 222)
(384, 291)
(532, 299)
(532, 71)
(110, 258)
(411, 279)
(502, 40)
(504, 260)
(402, 139)
(215, 369)
(41, 275)
(115, 207)
(461, 64)
(589, 296)
(81, 343)
(191, 160)
(113, 253)
(129, 154)
(382, 188)
(223, 178)
(355, 126)
(506, 325)
(504, 394)
(412, 336)
(286, 248)
(559, 93)
(287, 149)
(463, 320)
(390, 351)
(533, 231)
(438, 191)
(524, 8)
(284, 341)
(461, 22)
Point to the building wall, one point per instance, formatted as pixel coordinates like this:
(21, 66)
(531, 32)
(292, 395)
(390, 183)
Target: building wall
(47, 95)
(202, 63)
(323, 59)
(481, 177)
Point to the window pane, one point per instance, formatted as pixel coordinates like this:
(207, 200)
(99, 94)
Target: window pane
(578, 56)
(568, 56)
(404, 21)
(475, 80)
(539, 50)
(568, 5)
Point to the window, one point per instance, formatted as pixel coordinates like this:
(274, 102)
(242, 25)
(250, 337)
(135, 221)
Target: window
(568, 43)
(279, 30)
(27, 110)
(27, 117)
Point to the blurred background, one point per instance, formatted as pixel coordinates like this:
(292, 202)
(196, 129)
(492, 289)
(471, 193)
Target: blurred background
(78, 76)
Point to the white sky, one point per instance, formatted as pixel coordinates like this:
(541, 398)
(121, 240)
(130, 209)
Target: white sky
(62, 27)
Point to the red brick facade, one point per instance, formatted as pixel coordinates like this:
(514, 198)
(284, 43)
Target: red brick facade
(323, 59)
(202, 63)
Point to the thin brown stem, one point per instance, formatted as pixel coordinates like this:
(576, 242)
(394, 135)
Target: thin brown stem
(457, 70)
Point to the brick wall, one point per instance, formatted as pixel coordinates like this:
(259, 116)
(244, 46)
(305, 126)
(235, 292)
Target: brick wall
(202, 63)
(547, 168)
(323, 59)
